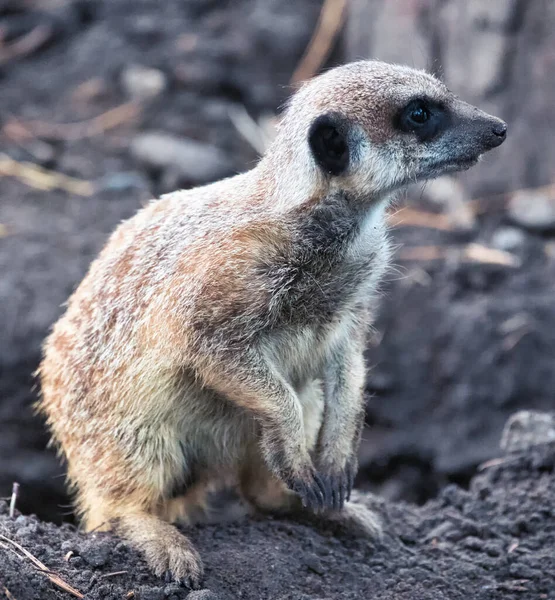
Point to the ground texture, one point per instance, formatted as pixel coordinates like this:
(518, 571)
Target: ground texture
(493, 541)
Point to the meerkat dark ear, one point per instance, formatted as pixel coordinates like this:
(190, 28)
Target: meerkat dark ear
(327, 138)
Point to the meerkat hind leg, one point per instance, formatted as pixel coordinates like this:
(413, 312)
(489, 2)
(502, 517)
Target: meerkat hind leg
(167, 551)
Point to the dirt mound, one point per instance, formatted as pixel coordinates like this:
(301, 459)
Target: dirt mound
(494, 541)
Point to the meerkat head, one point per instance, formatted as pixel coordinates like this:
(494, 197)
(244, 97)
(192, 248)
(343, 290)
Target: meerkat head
(370, 127)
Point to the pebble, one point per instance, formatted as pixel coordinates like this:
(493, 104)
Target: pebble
(143, 83)
(95, 553)
(532, 210)
(68, 546)
(151, 593)
(194, 161)
(528, 428)
(508, 238)
(202, 595)
(450, 194)
(314, 564)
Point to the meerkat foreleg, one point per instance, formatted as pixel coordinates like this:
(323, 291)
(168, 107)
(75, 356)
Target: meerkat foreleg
(342, 423)
(258, 388)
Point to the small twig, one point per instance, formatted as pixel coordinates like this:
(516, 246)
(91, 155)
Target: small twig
(419, 218)
(43, 179)
(9, 595)
(495, 462)
(472, 253)
(258, 134)
(110, 119)
(422, 253)
(483, 254)
(329, 24)
(26, 44)
(41, 567)
(13, 500)
(113, 574)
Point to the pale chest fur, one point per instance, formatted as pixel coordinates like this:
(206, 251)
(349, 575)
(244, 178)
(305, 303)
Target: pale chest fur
(333, 306)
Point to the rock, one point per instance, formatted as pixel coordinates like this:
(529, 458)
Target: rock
(528, 428)
(533, 210)
(173, 589)
(194, 161)
(202, 595)
(314, 564)
(151, 593)
(143, 83)
(508, 238)
(95, 553)
(450, 194)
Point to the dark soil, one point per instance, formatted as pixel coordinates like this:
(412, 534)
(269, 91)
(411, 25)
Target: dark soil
(494, 541)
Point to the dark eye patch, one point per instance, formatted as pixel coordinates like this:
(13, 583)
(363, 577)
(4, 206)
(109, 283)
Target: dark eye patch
(328, 141)
(423, 118)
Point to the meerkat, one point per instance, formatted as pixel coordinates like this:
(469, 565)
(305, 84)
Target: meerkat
(221, 330)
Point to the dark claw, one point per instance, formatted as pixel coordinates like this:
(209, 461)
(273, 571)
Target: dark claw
(350, 480)
(190, 584)
(312, 491)
(168, 578)
(338, 488)
(342, 491)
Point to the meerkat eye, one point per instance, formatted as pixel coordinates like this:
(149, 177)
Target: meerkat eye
(422, 118)
(419, 114)
(329, 145)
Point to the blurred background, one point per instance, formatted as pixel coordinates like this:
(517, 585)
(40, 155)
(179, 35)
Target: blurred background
(107, 103)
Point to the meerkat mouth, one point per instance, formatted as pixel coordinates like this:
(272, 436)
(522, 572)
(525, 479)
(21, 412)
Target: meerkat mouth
(451, 165)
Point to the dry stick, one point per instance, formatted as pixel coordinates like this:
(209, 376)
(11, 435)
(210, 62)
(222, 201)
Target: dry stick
(54, 577)
(110, 119)
(26, 44)
(9, 595)
(329, 24)
(113, 574)
(420, 218)
(13, 501)
(472, 253)
(43, 179)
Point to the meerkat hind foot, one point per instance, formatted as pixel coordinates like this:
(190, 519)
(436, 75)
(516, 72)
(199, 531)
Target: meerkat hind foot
(168, 553)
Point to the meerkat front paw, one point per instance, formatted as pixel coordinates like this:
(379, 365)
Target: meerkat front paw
(339, 483)
(310, 487)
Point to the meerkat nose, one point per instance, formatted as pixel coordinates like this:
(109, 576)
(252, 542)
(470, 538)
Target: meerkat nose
(499, 131)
